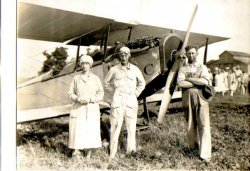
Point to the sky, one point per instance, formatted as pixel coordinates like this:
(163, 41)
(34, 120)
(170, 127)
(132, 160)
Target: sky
(227, 18)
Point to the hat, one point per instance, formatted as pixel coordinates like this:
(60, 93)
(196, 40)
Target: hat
(87, 58)
(125, 49)
(207, 93)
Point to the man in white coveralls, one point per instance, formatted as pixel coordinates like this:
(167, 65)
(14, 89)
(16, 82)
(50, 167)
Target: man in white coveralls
(125, 82)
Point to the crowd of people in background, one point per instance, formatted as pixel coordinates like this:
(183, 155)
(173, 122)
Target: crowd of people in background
(229, 80)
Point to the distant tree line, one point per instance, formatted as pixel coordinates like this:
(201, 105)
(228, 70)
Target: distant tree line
(55, 61)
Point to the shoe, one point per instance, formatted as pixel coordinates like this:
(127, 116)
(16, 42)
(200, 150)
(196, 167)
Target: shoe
(76, 154)
(111, 164)
(205, 160)
(88, 155)
(131, 154)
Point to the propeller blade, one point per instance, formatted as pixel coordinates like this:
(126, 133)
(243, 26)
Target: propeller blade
(167, 95)
(188, 29)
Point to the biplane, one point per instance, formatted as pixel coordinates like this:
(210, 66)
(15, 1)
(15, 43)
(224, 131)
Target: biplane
(153, 50)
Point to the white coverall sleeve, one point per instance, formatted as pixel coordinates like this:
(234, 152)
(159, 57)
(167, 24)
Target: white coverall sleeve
(140, 83)
(108, 85)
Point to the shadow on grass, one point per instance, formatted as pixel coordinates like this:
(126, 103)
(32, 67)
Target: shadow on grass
(51, 136)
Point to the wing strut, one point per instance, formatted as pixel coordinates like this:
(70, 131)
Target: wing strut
(167, 94)
(106, 43)
(78, 53)
(129, 34)
(205, 53)
(145, 106)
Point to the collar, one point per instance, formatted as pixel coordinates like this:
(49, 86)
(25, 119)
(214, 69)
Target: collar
(125, 67)
(193, 64)
(85, 76)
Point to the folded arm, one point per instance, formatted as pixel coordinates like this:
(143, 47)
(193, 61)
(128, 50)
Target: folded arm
(198, 81)
(185, 84)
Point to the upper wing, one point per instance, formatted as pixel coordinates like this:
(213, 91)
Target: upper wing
(51, 24)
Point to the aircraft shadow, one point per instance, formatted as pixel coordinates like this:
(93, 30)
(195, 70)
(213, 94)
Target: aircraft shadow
(52, 136)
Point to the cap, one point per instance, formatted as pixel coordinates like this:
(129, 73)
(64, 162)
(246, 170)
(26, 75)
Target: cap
(207, 93)
(125, 49)
(87, 58)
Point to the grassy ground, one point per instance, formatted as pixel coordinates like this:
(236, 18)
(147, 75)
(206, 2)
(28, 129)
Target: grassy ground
(43, 145)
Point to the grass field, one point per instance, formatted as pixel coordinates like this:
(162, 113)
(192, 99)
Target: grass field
(42, 145)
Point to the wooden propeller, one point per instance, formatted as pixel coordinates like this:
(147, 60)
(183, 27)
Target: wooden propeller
(167, 95)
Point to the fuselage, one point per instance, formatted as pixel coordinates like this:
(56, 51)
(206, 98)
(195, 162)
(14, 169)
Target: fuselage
(47, 95)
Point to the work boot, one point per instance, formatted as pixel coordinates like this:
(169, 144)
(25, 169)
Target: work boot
(89, 154)
(77, 154)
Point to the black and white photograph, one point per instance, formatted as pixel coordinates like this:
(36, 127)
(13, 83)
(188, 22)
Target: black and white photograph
(129, 85)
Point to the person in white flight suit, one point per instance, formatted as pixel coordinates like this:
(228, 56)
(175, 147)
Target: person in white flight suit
(125, 82)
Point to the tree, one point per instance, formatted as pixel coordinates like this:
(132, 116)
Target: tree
(54, 61)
